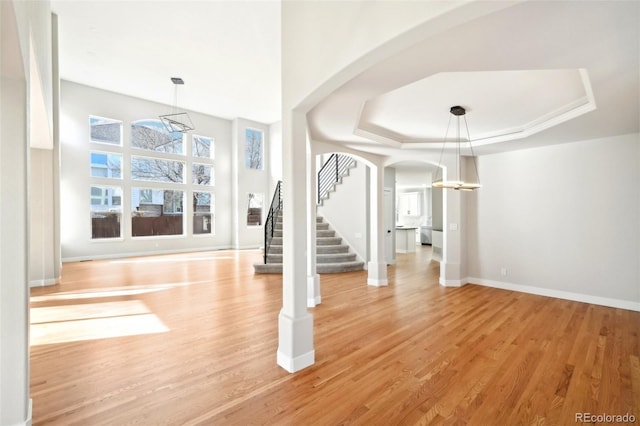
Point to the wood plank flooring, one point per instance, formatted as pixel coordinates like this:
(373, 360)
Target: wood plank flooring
(191, 339)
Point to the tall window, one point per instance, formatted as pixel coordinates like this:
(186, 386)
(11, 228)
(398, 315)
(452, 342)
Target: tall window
(253, 152)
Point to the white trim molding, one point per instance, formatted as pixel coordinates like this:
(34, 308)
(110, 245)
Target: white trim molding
(452, 283)
(44, 282)
(29, 419)
(149, 253)
(559, 294)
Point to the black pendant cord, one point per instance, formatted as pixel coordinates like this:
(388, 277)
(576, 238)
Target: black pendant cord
(473, 156)
(442, 150)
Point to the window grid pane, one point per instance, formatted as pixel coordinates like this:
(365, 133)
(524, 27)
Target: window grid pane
(105, 130)
(106, 212)
(106, 165)
(157, 170)
(161, 216)
(151, 135)
(202, 147)
(203, 213)
(202, 174)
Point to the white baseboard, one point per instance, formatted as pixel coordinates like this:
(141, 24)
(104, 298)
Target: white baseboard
(377, 282)
(43, 282)
(296, 364)
(28, 420)
(142, 253)
(451, 283)
(559, 294)
(313, 302)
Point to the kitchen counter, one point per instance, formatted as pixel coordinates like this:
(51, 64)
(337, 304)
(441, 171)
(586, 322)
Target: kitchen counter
(405, 239)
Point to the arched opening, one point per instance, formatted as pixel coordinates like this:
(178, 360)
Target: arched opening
(414, 213)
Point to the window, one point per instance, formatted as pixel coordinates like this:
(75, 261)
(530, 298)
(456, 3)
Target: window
(202, 174)
(202, 147)
(157, 170)
(157, 180)
(152, 135)
(202, 213)
(253, 149)
(254, 209)
(106, 212)
(146, 196)
(105, 130)
(156, 212)
(106, 165)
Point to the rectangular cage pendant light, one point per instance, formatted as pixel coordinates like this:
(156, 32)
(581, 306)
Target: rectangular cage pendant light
(177, 121)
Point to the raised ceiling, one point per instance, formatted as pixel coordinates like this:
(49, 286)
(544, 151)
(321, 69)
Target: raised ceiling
(416, 115)
(530, 74)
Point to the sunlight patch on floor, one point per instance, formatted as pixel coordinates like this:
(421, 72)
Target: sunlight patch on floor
(112, 291)
(61, 324)
(170, 259)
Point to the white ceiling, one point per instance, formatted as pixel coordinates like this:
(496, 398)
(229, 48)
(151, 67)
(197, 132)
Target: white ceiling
(535, 70)
(227, 52)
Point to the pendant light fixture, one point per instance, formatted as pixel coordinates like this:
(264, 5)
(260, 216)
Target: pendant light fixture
(458, 183)
(176, 121)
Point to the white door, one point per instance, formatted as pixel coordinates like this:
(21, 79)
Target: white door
(389, 226)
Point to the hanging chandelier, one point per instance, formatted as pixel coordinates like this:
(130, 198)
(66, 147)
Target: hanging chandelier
(458, 183)
(176, 121)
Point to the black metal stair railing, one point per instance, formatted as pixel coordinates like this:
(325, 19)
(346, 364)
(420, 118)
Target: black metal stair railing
(331, 172)
(272, 218)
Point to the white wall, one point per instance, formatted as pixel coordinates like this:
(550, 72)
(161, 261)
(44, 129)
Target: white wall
(275, 155)
(36, 44)
(78, 102)
(346, 209)
(562, 220)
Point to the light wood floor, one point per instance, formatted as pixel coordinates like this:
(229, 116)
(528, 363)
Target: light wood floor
(191, 339)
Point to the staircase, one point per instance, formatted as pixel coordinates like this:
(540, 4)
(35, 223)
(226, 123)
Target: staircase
(331, 174)
(332, 256)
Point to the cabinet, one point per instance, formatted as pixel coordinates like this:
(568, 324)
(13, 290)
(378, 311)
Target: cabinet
(409, 204)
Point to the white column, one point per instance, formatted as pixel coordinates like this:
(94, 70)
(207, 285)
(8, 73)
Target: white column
(377, 266)
(14, 276)
(450, 265)
(295, 324)
(313, 279)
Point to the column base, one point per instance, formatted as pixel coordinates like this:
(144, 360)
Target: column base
(450, 275)
(377, 276)
(313, 291)
(295, 338)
